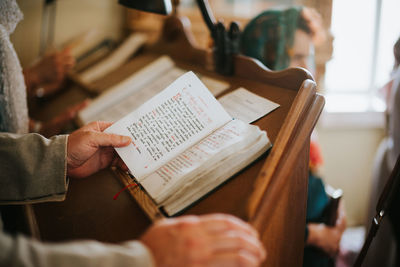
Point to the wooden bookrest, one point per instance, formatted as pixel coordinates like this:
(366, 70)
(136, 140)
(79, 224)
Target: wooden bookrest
(271, 193)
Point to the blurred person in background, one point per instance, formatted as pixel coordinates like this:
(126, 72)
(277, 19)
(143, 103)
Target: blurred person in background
(284, 38)
(385, 248)
(43, 78)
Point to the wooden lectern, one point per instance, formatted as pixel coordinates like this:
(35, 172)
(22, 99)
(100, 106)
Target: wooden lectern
(271, 193)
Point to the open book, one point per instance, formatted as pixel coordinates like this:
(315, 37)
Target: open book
(184, 144)
(136, 89)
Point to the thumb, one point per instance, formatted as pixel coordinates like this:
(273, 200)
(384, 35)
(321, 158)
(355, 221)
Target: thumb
(106, 139)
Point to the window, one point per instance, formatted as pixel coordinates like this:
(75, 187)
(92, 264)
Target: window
(365, 32)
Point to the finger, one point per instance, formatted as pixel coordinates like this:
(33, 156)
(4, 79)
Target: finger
(182, 221)
(106, 156)
(69, 64)
(98, 139)
(241, 258)
(79, 106)
(99, 160)
(68, 61)
(67, 49)
(222, 222)
(333, 252)
(102, 125)
(50, 87)
(120, 164)
(237, 241)
(96, 126)
(117, 162)
(114, 162)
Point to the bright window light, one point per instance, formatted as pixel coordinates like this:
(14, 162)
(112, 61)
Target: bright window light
(364, 34)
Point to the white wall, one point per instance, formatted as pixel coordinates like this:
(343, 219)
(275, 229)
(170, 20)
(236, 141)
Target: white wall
(348, 158)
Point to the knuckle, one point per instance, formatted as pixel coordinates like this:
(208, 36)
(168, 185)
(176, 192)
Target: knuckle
(242, 260)
(89, 134)
(185, 225)
(92, 124)
(191, 243)
(240, 240)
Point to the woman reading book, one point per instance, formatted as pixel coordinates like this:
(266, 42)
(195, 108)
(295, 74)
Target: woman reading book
(283, 38)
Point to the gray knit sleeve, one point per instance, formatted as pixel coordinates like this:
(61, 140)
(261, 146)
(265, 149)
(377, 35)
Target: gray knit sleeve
(21, 251)
(32, 168)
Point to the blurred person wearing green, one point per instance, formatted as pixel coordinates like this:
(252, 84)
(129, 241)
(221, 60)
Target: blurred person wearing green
(284, 38)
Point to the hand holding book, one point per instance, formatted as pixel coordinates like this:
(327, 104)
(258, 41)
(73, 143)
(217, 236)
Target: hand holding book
(181, 140)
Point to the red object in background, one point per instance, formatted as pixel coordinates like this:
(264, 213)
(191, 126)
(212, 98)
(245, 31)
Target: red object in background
(315, 156)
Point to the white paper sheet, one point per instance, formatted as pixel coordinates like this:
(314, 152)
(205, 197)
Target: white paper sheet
(246, 106)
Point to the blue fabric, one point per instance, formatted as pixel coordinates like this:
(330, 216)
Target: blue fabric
(317, 201)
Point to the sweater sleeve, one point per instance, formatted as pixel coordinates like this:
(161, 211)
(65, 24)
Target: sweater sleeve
(21, 251)
(32, 168)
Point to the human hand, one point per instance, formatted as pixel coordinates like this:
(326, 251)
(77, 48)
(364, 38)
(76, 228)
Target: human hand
(209, 240)
(47, 76)
(325, 237)
(56, 125)
(315, 23)
(90, 150)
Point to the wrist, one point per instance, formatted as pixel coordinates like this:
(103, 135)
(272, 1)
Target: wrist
(69, 163)
(314, 234)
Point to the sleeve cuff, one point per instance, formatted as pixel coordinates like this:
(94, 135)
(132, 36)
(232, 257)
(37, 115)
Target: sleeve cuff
(34, 169)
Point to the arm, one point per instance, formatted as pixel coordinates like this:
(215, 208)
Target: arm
(22, 251)
(209, 240)
(327, 238)
(34, 169)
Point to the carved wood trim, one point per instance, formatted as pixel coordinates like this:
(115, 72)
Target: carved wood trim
(298, 126)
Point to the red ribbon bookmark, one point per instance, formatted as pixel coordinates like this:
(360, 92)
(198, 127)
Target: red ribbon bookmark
(129, 185)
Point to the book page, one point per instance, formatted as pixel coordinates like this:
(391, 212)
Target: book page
(133, 101)
(84, 42)
(215, 86)
(168, 124)
(216, 174)
(200, 158)
(129, 46)
(130, 93)
(125, 88)
(246, 106)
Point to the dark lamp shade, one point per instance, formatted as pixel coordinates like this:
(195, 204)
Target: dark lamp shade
(163, 7)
